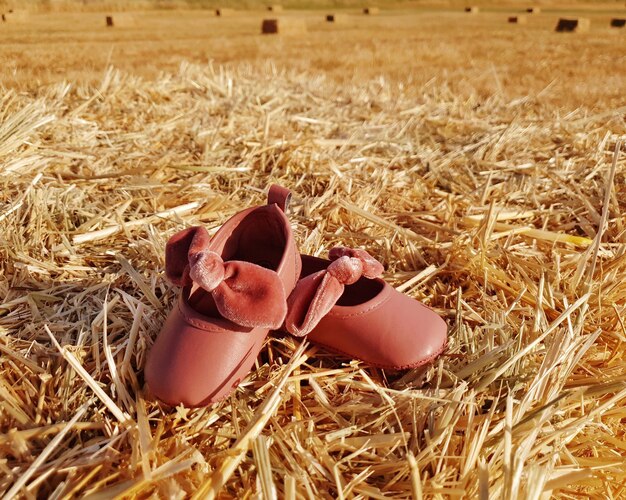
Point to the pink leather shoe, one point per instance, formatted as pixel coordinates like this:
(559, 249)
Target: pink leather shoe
(234, 290)
(343, 305)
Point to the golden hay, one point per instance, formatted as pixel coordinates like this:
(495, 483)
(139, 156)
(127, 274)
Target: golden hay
(504, 216)
(533, 10)
(576, 24)
(472, 10)
(283, 26)
(275, 8)
(372, 11)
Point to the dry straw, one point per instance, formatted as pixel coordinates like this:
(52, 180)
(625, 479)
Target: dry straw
(505, 217)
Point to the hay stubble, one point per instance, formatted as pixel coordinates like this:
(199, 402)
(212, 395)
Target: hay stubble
(504, 216)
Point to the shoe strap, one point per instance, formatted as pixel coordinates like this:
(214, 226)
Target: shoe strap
(279, 195)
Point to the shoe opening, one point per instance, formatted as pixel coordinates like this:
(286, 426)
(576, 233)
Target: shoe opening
(360, 292)
(259, 238)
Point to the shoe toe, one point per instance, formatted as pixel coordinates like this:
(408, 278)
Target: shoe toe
(393, 331)
(196, 366)
(420, 336)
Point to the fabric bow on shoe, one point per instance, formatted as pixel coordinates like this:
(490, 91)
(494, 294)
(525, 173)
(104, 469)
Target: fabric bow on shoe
(315, 295)
(244, 293)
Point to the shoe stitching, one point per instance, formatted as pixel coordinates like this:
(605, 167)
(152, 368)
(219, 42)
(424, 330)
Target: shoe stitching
(200, 324)
(359, 313)
(297, 265)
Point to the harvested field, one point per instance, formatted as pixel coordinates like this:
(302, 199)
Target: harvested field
(495, 199)
(514, 258)
(416, 47)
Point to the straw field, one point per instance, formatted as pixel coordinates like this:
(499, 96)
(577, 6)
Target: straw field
(491, 187)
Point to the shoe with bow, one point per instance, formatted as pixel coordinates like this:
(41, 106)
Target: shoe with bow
(344, 305)
(234, 289)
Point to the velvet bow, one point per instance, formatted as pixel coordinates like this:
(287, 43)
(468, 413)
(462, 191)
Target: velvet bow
(316, 294)
(244, 293)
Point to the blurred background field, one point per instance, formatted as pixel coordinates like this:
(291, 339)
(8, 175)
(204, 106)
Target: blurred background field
(411, 46)
(478, 160)
(86, 5)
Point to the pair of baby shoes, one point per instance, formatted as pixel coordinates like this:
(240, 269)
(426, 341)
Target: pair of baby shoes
(248, 279)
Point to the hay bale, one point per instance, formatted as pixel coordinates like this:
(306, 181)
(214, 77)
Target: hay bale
(574, 24)
(224, 11)
(275, 8)
(472, 10)
(371, 11)
(269, 26)
(120, 20)
(618, 22)
(517, 19)
(3, 18)
(283, 26)
(335, 18)
(534, 10)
